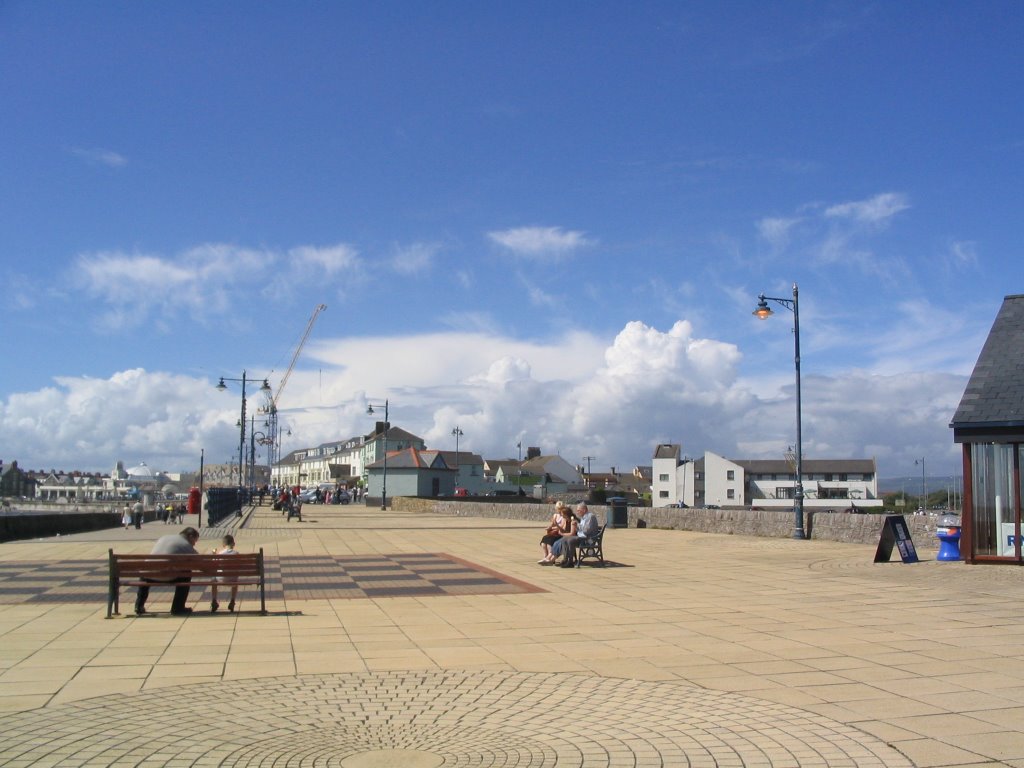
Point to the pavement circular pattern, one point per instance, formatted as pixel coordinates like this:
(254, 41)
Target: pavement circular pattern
(429, 719)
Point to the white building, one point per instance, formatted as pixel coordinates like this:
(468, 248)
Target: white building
(343, 461)
(767, 483)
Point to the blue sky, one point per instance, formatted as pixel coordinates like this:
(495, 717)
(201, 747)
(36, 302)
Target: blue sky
(545, 223)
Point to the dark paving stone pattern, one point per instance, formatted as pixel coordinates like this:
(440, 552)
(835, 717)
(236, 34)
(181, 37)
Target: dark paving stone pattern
(298, 578)
(436, 718)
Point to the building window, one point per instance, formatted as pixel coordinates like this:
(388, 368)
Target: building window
(730, 475)
(993, 502)
(784, 492)
(730, 494)
(662, 494)
(663, 478)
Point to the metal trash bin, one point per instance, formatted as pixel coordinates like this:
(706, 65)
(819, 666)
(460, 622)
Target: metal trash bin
(618, 513)
(948, 534)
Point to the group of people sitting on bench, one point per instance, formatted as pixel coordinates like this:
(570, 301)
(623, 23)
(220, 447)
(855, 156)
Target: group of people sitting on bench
(565, 532)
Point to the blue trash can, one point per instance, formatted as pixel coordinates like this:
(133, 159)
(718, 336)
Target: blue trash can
(948, 534)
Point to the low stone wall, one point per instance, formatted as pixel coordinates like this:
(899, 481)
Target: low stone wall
(29, 526)
(826, 526)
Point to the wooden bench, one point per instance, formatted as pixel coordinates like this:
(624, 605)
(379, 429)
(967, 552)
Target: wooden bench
(205, 571)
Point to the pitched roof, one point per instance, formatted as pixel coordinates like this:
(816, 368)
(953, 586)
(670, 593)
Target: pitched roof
(994, 396)
(491, 466)
(393, 433)
(667, 451)
(412, 458)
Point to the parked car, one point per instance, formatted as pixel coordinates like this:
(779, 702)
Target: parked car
(308, 496)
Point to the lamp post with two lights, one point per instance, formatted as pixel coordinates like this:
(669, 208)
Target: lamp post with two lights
(241, 422)
(384, 484)
(457, 433)
(763, 311)
(263, 439)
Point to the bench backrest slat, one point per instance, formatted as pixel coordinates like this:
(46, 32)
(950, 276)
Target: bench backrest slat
(147, 566)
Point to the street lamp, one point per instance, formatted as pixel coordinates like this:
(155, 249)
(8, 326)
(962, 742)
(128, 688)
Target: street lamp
(763, 311)
(384, 485)
(924, 505)
(457, 432)
(519, 468)
(262, 439)
(241, 422)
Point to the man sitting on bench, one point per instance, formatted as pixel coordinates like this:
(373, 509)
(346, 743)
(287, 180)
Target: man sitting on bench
(588, 528)
(183, 543)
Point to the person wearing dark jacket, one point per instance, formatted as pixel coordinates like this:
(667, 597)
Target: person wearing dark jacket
(183, 543)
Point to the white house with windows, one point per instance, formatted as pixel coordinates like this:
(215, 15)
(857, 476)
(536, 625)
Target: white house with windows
(342, 461)
(768, 483)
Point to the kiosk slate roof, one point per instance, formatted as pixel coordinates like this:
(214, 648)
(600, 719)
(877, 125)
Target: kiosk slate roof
(994, 396)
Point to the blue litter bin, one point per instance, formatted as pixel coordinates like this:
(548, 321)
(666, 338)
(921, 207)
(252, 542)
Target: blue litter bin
(948, 534)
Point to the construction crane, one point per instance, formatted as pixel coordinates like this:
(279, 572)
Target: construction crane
(271, 407)
(298, 351)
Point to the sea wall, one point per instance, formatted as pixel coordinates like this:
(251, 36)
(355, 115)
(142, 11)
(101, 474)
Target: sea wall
(826, 526)
(38, 526)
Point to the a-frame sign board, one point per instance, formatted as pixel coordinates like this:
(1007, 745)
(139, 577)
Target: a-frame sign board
(895, 532)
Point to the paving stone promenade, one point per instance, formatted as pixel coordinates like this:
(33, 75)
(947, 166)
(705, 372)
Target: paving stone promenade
(416, 640)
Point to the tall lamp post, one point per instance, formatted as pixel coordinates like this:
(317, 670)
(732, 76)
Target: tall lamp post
(262, 439)
(384, 484)
(457, 433)
(763, 311)
(924, 499)
(519, 470)
(241, 422)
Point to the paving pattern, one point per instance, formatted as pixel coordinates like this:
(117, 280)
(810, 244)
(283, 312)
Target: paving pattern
(449, 718)
(295, 577)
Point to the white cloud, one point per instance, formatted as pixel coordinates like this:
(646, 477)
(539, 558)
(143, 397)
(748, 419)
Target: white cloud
(540, 242)
(840, 236)
(579, 394)
(541, 298)
(163, 419)
(874, 210)
(97, 156)
(963, 254)
(326, 261)
(776, 231)
(918, 335)
(415, 258)
(200, 281)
